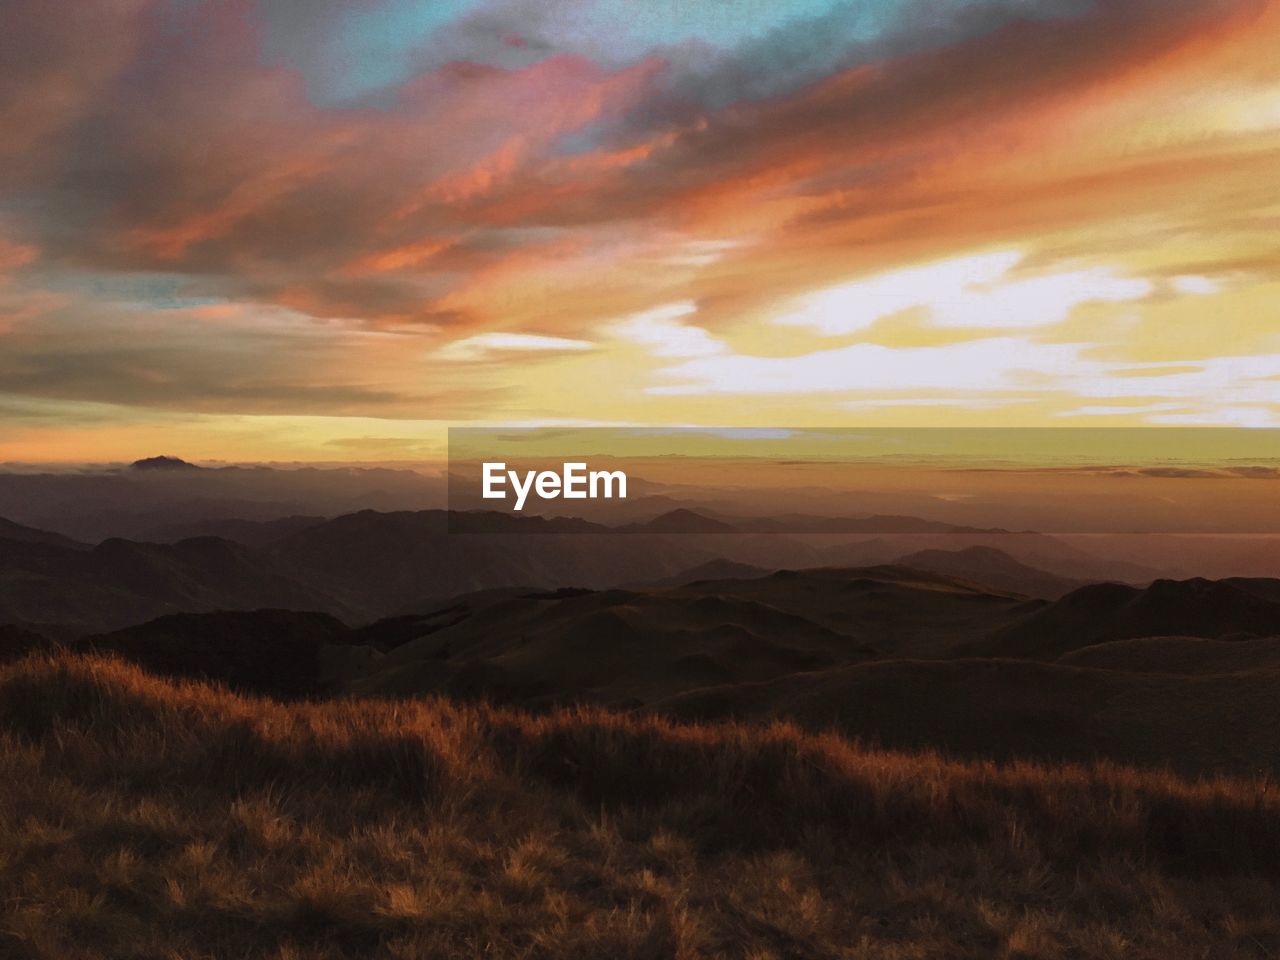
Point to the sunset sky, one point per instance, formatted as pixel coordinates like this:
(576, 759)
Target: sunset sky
(328, 229)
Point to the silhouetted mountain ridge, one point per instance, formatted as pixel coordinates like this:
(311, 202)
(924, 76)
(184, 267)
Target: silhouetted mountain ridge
(275, 652)
(1103, 612)
(162, 463)
(19, 533)
(889, 653)
(992, 567)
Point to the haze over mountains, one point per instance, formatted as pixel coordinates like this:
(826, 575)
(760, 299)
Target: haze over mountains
(163, 498)
(906, 631)
(367, 565)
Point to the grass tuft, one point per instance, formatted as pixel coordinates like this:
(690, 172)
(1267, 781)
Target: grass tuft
(150, 818)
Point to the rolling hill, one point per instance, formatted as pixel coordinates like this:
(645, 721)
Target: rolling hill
(992, 568)
(613, 646)
(411, 561)
(1188, 656)
(75, 590)
(1009, 709)
(637, 646)
(944, 651)
(359, 567)
(276, 652)
(159, 819)
(19, 533)
(719, 569)
(1110, 611)
(251, 533)
(898, 610)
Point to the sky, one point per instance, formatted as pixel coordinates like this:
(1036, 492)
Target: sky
(323, 230)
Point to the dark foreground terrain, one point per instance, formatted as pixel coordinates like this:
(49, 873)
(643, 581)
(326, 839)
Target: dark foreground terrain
(144, 817)
(369, 737)
(1182, 675)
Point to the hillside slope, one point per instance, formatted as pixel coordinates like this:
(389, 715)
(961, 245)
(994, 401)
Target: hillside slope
(19, 533)
(278, 652)
(156, 819)
(122, 582)
(1103, 612)
(993, 568)
(610, 646)
(633, 647)
(1189, 656)
(401, 562)
(1008, 709)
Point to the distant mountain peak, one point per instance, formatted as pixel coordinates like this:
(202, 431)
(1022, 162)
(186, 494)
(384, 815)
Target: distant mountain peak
(162, 463)
(681, 520)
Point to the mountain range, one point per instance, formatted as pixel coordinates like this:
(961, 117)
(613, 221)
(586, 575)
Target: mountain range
(914, 636)
(367, 565)
(900, 657)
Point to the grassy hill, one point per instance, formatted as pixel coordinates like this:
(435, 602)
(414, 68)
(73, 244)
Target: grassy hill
(275, 652)
(635, 647)
(18, 533)
(151, 818)
(118, 583)
(993, 568)
(1103, 612)
(614, 646)
(358, 567)
(400, 562)
(1189, 656)
(1006, 709)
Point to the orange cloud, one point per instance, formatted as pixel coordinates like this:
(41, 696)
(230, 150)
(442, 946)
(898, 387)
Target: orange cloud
(521, 205)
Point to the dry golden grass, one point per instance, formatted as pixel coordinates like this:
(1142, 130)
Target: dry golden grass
(145, 818)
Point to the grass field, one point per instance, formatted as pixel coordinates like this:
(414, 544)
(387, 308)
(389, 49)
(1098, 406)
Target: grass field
(143, 818)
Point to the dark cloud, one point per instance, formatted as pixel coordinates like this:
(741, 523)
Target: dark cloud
(195, 157)
(179, 149)
(219, 359)
(210, 380)
(903, 114)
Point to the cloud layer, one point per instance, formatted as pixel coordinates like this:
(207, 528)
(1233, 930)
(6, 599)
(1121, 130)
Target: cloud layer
(450, 210)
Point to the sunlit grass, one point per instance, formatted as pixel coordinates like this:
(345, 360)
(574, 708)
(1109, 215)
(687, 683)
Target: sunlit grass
(145, 818)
